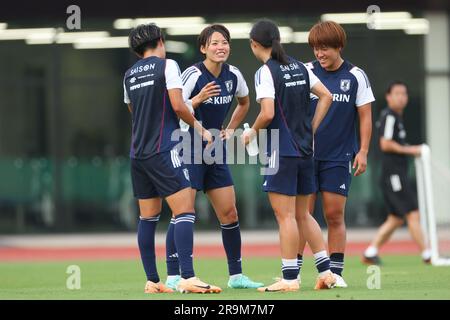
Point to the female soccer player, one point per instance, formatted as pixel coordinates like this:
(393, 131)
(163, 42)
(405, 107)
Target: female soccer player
(153, 92)
(283, 87)
(211, 86)
(335, 143)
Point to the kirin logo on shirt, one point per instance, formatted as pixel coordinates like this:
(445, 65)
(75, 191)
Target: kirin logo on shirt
(229, 85)
(345, 85)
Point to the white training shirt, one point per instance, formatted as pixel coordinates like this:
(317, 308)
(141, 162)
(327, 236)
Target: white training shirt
(265, 87)
(173, 78)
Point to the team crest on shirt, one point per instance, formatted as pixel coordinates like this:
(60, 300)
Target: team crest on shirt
(229, 85)
(345, 85)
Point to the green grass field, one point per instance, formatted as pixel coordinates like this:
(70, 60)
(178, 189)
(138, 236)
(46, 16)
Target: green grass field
(402, 277)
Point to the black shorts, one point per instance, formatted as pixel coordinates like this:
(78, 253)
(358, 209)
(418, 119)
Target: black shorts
(399, 196)
(159, 176)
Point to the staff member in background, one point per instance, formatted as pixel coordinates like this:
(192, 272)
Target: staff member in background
(399, 197)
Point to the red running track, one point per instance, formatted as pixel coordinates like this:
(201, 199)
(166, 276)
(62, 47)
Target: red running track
(210, 251)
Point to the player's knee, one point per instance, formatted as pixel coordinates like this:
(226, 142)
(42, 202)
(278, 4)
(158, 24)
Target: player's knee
(396, 221)
(147, 210)
(148, 213)
(413, 217)
(302, 217)
(285, 217)
(335, 217)
(228, 216)
(183, 209)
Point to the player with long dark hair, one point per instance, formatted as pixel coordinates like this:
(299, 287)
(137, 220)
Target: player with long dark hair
(283, 87)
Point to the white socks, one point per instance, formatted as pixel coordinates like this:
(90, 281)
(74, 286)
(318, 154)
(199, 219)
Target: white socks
(426, 254)
(320, 254)
(170, 278)
(235, 276)
(289, 262)
(371, 252)
(289, 281)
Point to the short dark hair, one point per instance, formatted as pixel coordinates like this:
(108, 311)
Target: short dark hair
(143, 37)
(395, 83)
(327, 33)
(267, 34)
(205, 35)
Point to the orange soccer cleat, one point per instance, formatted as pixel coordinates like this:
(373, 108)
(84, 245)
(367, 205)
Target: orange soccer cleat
(151, 287)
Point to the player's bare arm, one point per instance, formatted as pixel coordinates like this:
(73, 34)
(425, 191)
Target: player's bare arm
(182, 111)
(237, 117)
(324, 103)
(264, 118)
(365, 132)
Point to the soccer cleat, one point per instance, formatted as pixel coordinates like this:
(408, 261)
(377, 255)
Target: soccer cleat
(243, 282)
(151, 287)
(195, 285)
(173, 283)
(375, 260)
(327, 281)
(340, 283)
(281, 286)
(299, 278)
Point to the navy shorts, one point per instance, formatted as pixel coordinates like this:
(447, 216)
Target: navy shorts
(209, 176)
(295, 176)
(398, 194)
(333, 176)
(159, 176)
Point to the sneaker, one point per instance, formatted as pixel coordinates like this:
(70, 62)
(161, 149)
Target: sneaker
(375, 260)
(151, 287)
(426, 256)
(195, 285)
(281, 286)
(340, 283)
(327, 281)
(173, 283)
(243, 282)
